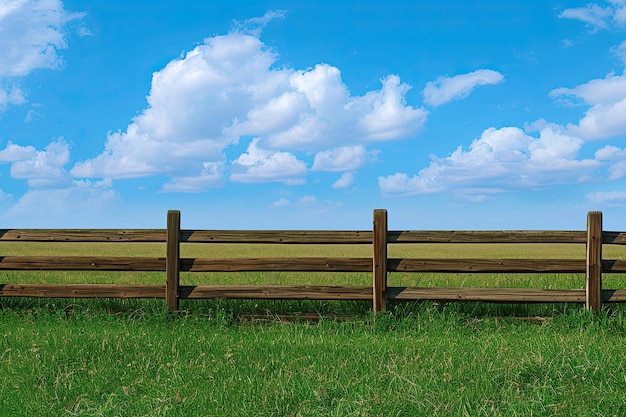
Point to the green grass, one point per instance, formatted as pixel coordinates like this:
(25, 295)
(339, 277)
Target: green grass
(266, 358)
(424, 359)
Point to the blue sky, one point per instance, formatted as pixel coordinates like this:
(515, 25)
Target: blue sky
(309, 115)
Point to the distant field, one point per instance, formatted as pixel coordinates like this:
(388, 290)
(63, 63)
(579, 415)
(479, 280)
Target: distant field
(572, 251)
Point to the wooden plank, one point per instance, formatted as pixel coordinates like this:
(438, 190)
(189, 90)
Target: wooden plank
(276, 264)
(172, 261)
(471, 265)
(613, 265)
(82, 235)
(277, 236)
(614, 296)
(380, 260)
(286, 292)
(594, 261)
(614, 238)
(81, 263)
(504, 236)
(496, 295)
(82, 291)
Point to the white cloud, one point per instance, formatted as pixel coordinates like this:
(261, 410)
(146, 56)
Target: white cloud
(82, 203)
(616, 158)
(10, 95)
(592, 14)
(307, 200)
(384, 113)
(13, 152)
(327, 114)
(344, 158)
(620, 51)
(500, 158)
(607, 97)
(260, 165)
(446, 89)
(4, 196)
(607, 197)
(211, 176)
(32, 35)
(596, 16)
(226, 89)
(255, 25)
(346, 179)
(282, 202)
(45, 168)
(610, 153)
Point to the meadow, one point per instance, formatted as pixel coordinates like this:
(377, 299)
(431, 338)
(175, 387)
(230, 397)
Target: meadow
(308, 358)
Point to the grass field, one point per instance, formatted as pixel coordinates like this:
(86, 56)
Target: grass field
(265, 358)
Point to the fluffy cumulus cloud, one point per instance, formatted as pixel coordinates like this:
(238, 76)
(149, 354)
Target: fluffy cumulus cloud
(45, 168)
(40, 168)
(500, 159)
(261, 165)
(446, 89)
(228, 90)
(50, 185)
(599, 16)
(607, 98)
(510, 158)
(32, 36)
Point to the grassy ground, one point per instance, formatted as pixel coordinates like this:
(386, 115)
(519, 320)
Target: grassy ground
(106, 358)
(244, 358)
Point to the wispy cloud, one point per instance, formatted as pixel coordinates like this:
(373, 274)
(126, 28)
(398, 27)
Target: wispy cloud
(33, 33)
(446, 89)
(255, 26)
(613, 13)
(608, 197)
(346, 180)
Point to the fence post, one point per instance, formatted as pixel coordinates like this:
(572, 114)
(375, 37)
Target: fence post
(172, 260)
(380, 260)
(594, 261)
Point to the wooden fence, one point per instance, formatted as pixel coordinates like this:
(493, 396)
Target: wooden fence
(379, 265)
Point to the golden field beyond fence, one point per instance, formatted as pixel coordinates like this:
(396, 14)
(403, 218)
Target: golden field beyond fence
(379, 264)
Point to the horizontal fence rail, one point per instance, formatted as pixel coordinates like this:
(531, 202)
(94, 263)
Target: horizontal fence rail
(379, 264)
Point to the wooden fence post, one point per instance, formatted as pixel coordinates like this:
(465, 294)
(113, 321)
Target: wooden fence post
(172, 260)
(594, 261)
(380, 260)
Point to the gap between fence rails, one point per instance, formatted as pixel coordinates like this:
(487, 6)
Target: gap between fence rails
(379, 265)
(380, 268)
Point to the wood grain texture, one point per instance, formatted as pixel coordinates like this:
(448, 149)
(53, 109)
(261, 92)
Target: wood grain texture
(496, 295)
(82, 235)
(277, 236)
(81, 263)
(301, 292)
(613, 265)
(172, 261)
(594, 261)
(379, 300)
(486, 265)
(82, 291)
(614, 238)
(469, 236)
(276, 264)
(614, 296)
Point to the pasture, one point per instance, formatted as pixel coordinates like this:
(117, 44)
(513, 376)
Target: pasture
(104, 357)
